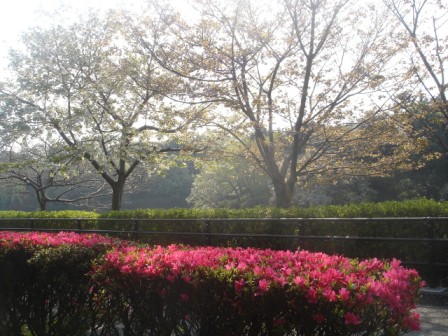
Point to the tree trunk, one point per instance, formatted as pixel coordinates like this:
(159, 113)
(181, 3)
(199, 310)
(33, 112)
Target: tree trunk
(283, 194)
(43, 205)
(42, 200)
(117, 195)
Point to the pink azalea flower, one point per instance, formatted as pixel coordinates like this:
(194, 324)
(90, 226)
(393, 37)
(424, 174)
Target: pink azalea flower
(329, 294)
(344, 294)
(351, 318)
(311, 296)
(413, 321)
(239, 285)
(263, 285)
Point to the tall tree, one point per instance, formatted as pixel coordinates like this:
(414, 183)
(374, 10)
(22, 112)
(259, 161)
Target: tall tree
(422, 92)
(295, 76)
(89, 84)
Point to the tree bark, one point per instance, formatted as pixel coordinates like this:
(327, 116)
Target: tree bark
(42, 200)
(284, 194)
(117, 195)
(42, 205)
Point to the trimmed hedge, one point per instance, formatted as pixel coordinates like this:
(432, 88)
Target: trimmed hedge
(410, 208)
(74, 284)
(226, 291)
(45, 286)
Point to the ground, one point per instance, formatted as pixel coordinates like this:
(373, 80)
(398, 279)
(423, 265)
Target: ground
(434, 315)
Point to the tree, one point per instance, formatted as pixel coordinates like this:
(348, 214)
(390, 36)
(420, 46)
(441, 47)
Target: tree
(422, 92)
(167, 190)
(90, 85)
(49, 175)
(230, 179)
(11, 199)
(293, 77)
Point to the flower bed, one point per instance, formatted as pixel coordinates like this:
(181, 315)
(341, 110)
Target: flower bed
(78, 284)
(234, 291)
(18, 240)
(45, 286)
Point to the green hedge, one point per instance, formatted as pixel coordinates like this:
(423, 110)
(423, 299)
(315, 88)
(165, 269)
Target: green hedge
(409, 208)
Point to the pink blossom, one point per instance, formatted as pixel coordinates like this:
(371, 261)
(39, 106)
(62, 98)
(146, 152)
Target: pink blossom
(311, 296)
(351, 318)
(299, 281)
(263, 285)
(344, 294)
(412, 322)
(239, 285)
(329, 294)
(321, 278)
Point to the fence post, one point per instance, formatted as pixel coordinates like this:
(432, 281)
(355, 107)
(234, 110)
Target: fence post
(299, 232)
(79, 225)
(430, 248)
(31, 224)
(135, 228)
(208, 228)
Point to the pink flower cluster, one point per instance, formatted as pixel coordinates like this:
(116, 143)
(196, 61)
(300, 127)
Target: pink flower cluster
(325, 287)
(12, 239)
(320, 278)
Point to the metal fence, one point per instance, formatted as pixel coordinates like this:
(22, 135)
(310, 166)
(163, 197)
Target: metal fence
(429, 235)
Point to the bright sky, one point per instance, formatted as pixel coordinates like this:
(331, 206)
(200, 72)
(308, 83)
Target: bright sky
(18, 15)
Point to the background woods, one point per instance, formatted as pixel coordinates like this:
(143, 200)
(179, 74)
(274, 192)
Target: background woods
(304, 102)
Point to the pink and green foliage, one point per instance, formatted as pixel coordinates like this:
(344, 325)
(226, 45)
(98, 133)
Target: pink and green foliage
(73, 284)
(14, 240)
(45, 282)
(235, 291)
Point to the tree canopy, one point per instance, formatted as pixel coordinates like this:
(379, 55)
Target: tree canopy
(297, 79)
(105, 99)
(308, 90)
(422, 90)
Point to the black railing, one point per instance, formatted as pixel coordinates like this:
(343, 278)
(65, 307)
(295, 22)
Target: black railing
(431, 233)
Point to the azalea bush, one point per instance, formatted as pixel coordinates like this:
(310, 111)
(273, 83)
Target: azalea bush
(180, 290)
(45, 284)
(86, 284)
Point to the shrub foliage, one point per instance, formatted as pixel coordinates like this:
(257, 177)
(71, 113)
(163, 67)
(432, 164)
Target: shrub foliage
(410, 208)
(75, 284)
(45, 282)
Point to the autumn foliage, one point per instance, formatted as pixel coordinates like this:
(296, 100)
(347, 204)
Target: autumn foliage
(95, 284)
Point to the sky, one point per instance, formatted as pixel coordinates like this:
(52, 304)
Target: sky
(16, 16)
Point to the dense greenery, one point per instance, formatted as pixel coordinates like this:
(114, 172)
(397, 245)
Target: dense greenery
(409, 208)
